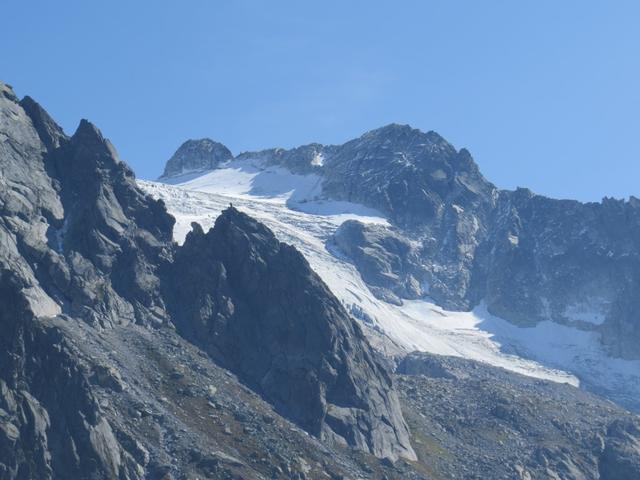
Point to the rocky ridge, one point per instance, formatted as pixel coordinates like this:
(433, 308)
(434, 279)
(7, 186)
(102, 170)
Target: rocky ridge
(85, 253)
(297, 346)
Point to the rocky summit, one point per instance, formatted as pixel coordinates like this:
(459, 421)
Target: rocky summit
(129, 352)
(196, 156)
(255, 305)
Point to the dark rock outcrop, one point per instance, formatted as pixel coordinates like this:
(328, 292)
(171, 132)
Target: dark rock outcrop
(530, 258)
(409, 175)
(255, 304)
(303, 160)
(621, 455)
(196, 156)
(69, 215)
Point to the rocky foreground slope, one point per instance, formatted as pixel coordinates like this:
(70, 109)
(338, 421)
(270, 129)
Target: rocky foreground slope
(126, 356)
(473, 421)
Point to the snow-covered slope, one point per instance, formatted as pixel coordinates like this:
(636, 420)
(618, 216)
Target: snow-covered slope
(292, 207)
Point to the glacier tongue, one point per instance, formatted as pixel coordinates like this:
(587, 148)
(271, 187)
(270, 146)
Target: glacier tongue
(292, 206)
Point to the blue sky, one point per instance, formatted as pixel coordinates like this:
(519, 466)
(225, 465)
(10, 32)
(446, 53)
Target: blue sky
(544, 94)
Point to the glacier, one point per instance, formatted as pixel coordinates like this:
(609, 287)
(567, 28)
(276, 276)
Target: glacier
(292, 206)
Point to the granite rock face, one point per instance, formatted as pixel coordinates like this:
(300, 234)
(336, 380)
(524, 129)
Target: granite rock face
(579, 263)
(196, 156)
(51, 424)
(411, 176)
(621, 455)
(68, 218)
(297, 346)
(530, 258)
(86, 255)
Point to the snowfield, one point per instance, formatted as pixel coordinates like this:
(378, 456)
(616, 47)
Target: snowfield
(292, 206)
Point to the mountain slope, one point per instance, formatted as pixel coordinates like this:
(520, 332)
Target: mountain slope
(544, 280)
(498, 424)
(126, 355)
(87, 263)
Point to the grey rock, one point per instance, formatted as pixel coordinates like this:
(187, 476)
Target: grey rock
(621, 456)
(303, 160)
(410, 175)
(109, 377)
(470, 420)
(257, 307)
(196, 156)
(56, 428)
(388, 262)
(100, 309)
(85, 262)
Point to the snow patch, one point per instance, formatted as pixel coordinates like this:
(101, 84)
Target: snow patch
(318, 160)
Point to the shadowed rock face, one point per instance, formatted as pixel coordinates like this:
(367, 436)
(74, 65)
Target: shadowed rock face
(530, 258)
(409, 175)
(81, 246)
(196, 156)
(297, 346)
(70, 242)
(621, 455)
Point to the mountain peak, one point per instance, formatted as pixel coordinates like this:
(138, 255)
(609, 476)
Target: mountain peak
(7, 91)
(277, 326)
(49, 131)
(398, 129)
(87, 131)
(197, 155)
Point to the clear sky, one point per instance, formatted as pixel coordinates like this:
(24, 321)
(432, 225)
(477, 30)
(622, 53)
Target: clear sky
(545, 94)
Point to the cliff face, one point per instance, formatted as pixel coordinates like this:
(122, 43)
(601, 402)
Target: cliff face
(528, 257)
(84, 254)
(567, 261)
(51, 422)
(297, 346)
